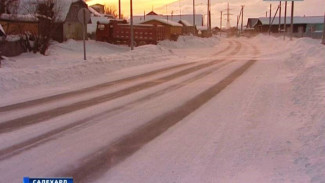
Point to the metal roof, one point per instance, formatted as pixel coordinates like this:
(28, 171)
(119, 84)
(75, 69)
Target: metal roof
(175, 18)
(186, 23)
(296, 20)
(61, 7)
(164, 21)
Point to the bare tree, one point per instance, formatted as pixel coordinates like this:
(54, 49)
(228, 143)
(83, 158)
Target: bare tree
(111, 10)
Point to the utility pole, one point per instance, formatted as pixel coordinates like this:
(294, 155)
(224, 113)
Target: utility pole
(270, 19)
(324, 30)
(228, 16)
(209, 17)
(220, 22)
(180, 10)
(132, 28)
(194, 13)
(280, 6)
(119, 10)
(274, 17)
(292, 10)
(285, 20)
(238, 18)
(242, 18)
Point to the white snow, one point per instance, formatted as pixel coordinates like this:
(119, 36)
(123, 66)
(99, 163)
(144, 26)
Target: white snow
(164, 21)
(267, 126)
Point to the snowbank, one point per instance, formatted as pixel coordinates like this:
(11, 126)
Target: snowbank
(64, 64)
(190, 42)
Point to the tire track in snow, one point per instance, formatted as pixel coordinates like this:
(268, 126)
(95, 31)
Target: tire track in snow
(58, 132)
(66, 95)
(102, 160)
(11, 125)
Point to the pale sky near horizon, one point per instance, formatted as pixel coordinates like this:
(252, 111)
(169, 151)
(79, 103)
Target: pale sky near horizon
(253, 8)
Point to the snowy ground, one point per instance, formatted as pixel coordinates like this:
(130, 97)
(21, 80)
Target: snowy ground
(268, 125)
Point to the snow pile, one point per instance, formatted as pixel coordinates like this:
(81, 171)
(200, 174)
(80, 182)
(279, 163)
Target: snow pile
(307, 65)
(64, 64)
(190, 42)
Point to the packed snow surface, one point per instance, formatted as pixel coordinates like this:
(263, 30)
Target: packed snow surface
(267, 126)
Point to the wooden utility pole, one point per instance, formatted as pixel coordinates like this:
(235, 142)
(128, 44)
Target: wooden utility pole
(238, 17)
(274, 17)
(220, 22)
(132, 28)
(209, 17)
(280, 6)
(242, 18)
(285, 20)
(119, 10)
(194, 13)
(292, 10)
(270, 19)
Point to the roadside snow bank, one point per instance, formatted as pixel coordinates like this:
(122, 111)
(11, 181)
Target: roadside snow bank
(190, 42)
(307, 66)
(65, 64)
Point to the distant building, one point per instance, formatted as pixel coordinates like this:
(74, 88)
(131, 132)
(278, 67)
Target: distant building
(152, 13)
(312, 26)
(188, 28)
(66, 21)
(14, 24)
(186, 17)
(173, 29)
(99, 8)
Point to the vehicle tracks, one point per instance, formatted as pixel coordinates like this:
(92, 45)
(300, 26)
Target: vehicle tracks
(96, 164)
(48, 136)
(15, 124)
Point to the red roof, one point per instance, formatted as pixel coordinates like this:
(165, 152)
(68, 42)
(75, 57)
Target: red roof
(152, 13)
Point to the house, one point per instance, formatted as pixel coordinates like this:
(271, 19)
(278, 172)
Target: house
(152, 13)
(65, 26)
(68, 25)
(215, 30)
(173, 29)
(302, 26)
(95, 18)
(188, 28)
(14, 24)
(175, 18)
(99, 8)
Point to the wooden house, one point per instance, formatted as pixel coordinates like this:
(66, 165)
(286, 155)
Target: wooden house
(65, 26)
(68, 25)
(14, 24)
(99, 8)
(188, 28)
(311, 26)
(172, 29)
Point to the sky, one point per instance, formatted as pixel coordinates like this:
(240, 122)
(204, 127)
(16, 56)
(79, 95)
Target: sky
(253, 8)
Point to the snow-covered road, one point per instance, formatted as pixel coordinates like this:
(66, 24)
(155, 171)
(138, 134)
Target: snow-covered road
(239, 111)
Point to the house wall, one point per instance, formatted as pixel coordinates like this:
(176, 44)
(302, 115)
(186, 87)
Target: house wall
(314, 27)
(72, 29)
(171, 32)
(12, 27)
